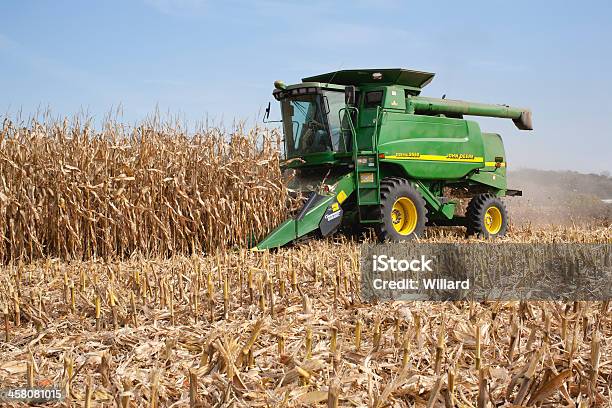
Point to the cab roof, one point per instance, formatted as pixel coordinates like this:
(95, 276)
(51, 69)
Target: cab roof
(389, 76)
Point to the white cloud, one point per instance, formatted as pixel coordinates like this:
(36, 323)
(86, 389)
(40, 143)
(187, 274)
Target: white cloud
(180, 8)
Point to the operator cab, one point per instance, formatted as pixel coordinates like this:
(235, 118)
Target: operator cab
(315, 113)
(311, 117)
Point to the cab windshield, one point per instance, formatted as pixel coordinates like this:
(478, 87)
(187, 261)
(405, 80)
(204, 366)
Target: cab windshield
(311, 123)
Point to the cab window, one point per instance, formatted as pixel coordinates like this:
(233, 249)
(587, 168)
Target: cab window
(373, 99)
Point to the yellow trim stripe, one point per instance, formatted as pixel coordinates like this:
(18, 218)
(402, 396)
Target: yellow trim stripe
(434, 157)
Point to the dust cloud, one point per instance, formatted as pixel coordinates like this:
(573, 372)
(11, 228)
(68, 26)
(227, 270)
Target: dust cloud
(560, 197)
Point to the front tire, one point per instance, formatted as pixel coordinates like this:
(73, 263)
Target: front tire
(487, 216)
(402, 209)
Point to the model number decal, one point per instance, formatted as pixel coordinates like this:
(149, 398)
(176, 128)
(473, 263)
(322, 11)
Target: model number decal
(409, 154)
(459, 156)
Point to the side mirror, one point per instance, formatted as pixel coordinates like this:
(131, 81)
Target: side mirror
(349, 95)
(267, 114)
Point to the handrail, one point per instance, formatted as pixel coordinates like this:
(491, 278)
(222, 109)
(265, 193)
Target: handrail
(348, 109)
(375, 134)
(351, 126)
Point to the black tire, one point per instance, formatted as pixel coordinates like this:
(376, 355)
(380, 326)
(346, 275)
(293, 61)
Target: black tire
(478, 219)
(391, 190)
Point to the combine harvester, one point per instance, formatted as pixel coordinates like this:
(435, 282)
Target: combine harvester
(369, 151)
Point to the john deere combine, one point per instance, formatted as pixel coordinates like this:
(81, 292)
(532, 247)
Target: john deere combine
(369, 151)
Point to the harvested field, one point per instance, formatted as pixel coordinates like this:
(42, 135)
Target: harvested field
(288, 329)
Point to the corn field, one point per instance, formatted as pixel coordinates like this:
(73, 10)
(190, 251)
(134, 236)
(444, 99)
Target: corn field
(70, 191)
(125, 281)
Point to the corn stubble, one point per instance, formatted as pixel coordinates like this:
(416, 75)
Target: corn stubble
(229, 327)
(155, 331)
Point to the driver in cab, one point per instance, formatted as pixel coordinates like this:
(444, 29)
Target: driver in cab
(315, 137)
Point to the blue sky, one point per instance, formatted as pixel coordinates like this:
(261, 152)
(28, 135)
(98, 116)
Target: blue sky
(199, 58)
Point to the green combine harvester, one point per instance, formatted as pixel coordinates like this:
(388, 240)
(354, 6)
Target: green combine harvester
(368, 151)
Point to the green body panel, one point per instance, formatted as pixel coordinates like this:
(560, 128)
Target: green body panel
(446, 210)
(491, 175)
(490, 179)
(429, 147)
(393, 132)
(281, 235)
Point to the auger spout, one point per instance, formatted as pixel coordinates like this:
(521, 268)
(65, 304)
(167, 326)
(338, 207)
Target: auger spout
(422, 105)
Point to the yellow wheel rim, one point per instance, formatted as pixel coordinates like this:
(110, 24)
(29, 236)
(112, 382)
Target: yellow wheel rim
(493, 220)
(404, 216)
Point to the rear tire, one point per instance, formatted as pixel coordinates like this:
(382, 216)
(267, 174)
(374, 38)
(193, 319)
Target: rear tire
(487, 216)
(402, 209)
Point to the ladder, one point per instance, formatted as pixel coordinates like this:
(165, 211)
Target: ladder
(367, 175)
